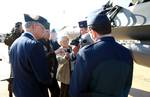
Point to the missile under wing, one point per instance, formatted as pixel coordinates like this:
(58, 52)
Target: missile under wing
(133, 23)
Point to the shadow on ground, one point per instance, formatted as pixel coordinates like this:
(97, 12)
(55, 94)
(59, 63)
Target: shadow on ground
(139, 93)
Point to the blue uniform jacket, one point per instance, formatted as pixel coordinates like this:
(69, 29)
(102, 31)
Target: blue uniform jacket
(110, 80)
(30, 67)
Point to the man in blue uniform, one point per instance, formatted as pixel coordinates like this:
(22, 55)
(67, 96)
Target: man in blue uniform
(81, 41)
(29, 64)
(103, 69)
(52, 63)
(53, 40)
(85, 37)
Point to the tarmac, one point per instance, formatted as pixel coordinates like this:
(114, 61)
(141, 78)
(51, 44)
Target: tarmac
(140, 84)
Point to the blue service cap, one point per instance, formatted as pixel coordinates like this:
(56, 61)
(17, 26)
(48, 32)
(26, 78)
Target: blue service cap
(98, 20)
(83, 24)
(38, 19)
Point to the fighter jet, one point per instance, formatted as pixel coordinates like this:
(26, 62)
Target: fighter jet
(132, 26)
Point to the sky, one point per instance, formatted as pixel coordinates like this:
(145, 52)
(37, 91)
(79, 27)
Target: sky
(58, 12)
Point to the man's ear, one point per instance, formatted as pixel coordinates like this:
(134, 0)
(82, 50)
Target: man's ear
(94, 34)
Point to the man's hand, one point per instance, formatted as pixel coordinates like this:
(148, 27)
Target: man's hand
(75, 49)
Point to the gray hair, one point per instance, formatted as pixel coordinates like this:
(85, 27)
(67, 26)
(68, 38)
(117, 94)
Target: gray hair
(28, 24)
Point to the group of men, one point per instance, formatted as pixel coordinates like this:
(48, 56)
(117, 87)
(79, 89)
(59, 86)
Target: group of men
(102, 69)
